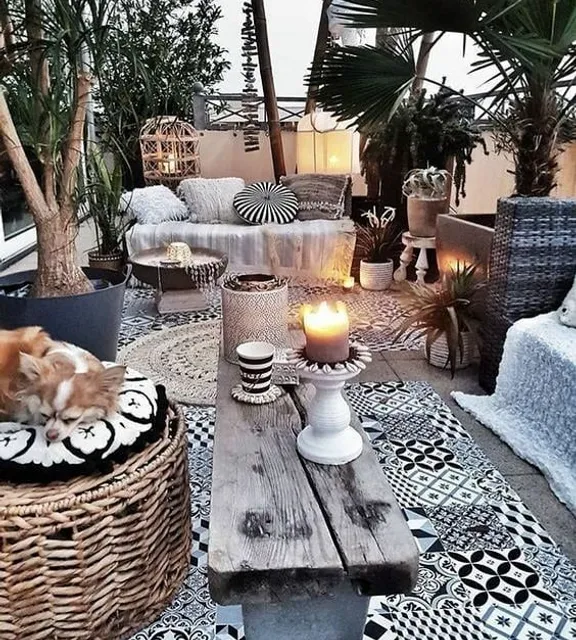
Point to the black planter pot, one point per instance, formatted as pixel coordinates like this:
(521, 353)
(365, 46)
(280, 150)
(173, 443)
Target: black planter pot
(89, 320)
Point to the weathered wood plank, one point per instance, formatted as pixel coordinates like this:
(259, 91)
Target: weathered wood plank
(373, 537)
(269, 540)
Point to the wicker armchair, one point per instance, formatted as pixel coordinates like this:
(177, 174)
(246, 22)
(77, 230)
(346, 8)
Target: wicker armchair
(532, 266)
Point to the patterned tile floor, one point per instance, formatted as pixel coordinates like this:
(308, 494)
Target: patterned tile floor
(488, 569)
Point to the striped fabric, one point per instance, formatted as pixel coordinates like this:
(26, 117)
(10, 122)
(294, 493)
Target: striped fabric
(264, 202)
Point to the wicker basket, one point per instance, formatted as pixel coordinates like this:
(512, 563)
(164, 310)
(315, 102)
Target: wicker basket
(98, 557)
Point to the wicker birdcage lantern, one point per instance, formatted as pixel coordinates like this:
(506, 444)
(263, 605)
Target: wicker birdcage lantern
(170, 151)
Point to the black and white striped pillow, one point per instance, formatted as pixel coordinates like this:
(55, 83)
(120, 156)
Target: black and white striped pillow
(264, 202)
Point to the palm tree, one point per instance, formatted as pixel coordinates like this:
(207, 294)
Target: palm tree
(527, 45)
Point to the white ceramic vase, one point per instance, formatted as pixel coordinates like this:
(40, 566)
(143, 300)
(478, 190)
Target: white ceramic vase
(376, 276)
(439, 352)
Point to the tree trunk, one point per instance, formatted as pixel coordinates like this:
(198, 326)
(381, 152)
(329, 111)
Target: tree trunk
(319, 53)
(422, 61)
(268, 89)
(58, 272)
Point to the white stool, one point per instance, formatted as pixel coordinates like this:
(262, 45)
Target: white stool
(412, 242)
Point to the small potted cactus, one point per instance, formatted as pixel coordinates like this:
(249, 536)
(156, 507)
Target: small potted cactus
(377, 243)
(428, 193)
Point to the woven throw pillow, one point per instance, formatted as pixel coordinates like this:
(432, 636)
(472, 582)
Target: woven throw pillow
(26, 455)
(567, 311)
(320, 197)
(211, 200)
(264, 202)
(153, 205)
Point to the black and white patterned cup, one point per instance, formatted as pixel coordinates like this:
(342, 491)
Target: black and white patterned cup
(255, 360)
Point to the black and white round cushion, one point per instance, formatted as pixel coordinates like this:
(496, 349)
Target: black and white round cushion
(264, 202)
(27, 456)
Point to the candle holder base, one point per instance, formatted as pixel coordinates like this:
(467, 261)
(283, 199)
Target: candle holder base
(329, 438)
(336, 449)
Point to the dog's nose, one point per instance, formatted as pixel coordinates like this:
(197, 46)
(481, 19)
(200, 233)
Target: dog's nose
(52, 434)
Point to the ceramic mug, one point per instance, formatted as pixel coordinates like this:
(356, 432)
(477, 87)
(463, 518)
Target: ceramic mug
(255, 361)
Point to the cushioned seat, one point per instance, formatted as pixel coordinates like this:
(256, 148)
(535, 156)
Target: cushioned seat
(315, 248)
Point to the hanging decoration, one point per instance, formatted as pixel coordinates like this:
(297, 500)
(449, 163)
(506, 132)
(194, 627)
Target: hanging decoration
(346, 36)
(250, 131)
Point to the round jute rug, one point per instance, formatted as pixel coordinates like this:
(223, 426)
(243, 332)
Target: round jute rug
(184, 359)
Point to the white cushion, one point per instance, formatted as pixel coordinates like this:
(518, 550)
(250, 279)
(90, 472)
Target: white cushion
(211, 200)
(567, 311)
(153, 205)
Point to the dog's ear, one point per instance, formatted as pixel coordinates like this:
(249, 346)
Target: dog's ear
(29, 367)
(112, 378)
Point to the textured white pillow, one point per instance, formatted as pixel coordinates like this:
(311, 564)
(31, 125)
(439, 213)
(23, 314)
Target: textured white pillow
(567, 311)
(211, 199)
(153, 205)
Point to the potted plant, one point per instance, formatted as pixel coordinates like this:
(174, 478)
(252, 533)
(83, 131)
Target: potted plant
(377, 242)
(427, 191)
(50, 54)
(102, 193)
(447, 315)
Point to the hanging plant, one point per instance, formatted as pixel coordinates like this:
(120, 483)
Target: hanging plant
(249, 95)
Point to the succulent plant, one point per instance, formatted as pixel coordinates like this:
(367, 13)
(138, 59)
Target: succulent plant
(427, 183)
(379, 240)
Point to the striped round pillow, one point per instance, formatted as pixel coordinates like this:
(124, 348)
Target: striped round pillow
(264, 202)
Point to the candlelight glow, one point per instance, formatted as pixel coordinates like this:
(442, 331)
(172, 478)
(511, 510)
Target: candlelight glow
(327, 332)
(348, 283)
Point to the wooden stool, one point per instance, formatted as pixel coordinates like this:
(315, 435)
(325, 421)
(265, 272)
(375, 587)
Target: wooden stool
(412, 242)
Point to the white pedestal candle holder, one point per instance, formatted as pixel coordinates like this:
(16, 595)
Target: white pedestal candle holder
(329, 437)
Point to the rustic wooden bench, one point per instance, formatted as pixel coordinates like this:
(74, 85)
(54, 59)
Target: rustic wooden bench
(301, 546)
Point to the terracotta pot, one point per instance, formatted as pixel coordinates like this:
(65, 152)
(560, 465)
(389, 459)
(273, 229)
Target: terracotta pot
(422, 215)
(439, 352)
(109, 261)
(376, 276)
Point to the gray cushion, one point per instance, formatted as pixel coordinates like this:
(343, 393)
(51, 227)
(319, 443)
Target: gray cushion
(211, 200)
(320, 197)
(153, 205)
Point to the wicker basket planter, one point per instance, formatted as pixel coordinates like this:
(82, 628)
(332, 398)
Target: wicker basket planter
(439, 352)
(376, 276)
(96, 558)
(254, 307)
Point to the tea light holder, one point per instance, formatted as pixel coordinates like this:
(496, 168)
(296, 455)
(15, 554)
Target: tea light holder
(348, 284)
(329, 437)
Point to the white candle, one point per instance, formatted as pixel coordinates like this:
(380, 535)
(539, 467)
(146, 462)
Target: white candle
(327, 332)
(169, 167)
(348, 284)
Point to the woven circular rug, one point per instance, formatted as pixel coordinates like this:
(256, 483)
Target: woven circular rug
(184, 359)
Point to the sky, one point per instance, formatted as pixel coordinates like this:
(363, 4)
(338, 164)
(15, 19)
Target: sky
(292, 27)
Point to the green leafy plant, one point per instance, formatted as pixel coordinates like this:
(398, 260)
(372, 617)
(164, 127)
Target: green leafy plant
(447, 309)
(527, 46)
(427, 183)
(425, 130)
(101, 192)
(379, 240)
(49, 54)
(163, 48)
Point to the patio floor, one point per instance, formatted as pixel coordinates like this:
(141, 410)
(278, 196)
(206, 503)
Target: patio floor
(390, 366)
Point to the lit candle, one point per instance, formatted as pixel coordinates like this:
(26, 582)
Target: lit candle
(326, 328)
(169, 167)
(348, 284)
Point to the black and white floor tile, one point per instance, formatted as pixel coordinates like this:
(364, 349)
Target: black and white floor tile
(488, 569)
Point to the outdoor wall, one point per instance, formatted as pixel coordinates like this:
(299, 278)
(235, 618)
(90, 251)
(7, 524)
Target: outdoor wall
(222, 155)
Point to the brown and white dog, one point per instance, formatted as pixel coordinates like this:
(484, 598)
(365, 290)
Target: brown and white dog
(43, 382)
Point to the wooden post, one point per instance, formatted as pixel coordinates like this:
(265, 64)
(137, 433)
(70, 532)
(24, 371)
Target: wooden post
(199, 107)
(319, 53)
(422, 61)
(268, 88)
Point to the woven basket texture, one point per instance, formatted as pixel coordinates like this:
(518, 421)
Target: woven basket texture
(96, 558)
(532, 266)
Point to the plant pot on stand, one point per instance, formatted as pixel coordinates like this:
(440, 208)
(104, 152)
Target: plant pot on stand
(376, 276)
(423, 214)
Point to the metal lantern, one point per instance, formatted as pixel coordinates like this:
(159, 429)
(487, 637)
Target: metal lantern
(170, 151)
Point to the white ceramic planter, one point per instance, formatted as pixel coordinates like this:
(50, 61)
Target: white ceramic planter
(439, 352)
(376, 276)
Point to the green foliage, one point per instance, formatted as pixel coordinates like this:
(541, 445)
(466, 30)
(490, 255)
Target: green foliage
(163, 47)
(448, 309)
(426, 131)
(527, 45)
(101, 191)
(380, 239)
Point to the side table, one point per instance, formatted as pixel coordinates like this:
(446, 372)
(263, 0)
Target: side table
(412, 242)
